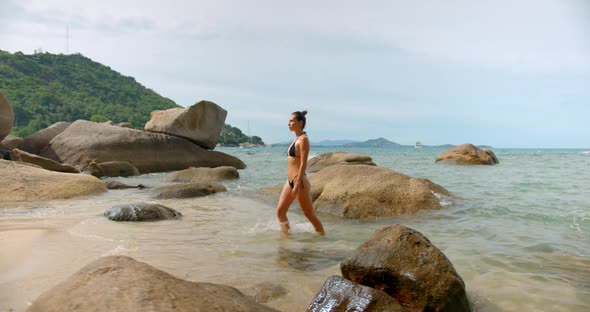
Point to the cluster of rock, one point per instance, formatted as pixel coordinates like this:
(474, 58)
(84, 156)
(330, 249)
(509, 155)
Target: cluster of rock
(397, 269)
(352, 186)
(173, 139)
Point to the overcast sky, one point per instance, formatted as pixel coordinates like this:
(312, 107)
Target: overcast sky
(501, 73)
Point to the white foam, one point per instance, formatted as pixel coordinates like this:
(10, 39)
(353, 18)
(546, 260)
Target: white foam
(443, 200)
(120, 249)
(273, 226)
(586, 152)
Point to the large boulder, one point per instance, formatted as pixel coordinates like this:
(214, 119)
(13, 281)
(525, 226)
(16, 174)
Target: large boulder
(120, 283)
(141, 212)
(22, 182)
(11, 142)
(6, 117)
(84, 142)
(407, 266)
(359, 191)
(339, 294)
(338, 158)
(203, 174)
(112, 169)
(467, 154)
(200, 123)
(42, 162)
(37, 141)
(188, 190)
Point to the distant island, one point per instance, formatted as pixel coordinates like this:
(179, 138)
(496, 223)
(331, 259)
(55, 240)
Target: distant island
(377, 143)
(45, 88)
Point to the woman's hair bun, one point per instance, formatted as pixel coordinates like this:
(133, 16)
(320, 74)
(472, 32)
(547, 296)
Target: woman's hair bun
(304, 113)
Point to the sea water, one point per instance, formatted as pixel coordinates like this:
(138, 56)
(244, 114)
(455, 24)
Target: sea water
(518, 232)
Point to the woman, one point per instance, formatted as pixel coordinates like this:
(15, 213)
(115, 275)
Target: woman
(297, 185)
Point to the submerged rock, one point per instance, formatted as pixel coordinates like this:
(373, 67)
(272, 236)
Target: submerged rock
(120, 283)
(84, 142)
(203, 174)
(266, 291)
(188, 190)
(118, 185)
(467, 154)
(112, 169)
(407, 266)
(21, 182)
(141, 212)
(200, 123)
(339, 294)
(338, 158)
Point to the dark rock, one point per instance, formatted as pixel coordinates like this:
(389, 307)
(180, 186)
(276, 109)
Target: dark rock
(188, 190)
(408, 267)
(141, 212)
(203, 174)
(117, 185)
(339, 294)
(112, 169)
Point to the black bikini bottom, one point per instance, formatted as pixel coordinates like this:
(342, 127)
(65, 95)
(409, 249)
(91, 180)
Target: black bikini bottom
(292, 183)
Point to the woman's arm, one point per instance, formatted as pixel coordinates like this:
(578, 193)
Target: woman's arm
(303, 154)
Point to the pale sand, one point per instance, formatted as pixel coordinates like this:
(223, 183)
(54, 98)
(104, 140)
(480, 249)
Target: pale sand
(16, 246)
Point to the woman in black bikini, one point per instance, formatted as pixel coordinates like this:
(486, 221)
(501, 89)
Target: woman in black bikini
(297, 185)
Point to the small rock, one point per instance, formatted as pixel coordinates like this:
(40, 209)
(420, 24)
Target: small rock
(141, 212)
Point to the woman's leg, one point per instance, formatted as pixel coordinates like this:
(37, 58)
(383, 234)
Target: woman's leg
(285, 201)
(304, 198)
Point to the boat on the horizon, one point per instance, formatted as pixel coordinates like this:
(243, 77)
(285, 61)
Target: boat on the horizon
(418, 144)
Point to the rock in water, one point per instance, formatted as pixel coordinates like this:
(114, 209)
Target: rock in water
(189, 190)
(117, 185)
(360, 191)
(203, 174)
(45, 163)
(467, 154)
(338, 158)
(407, 266)
(141, 212)
(339, 294)
(112, 169)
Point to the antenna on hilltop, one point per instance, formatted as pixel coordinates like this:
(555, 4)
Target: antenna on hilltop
(67, 39)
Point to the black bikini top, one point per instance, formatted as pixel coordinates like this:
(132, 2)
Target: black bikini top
(291, 150)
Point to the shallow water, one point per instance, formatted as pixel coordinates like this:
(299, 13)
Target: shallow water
(519, 237)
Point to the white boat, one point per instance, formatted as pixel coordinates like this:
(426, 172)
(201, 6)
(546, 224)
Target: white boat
(418, 144)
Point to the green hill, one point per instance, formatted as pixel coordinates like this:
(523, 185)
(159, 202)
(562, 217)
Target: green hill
(45, 88)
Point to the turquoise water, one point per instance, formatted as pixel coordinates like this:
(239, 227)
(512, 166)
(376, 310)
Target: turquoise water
(519, 235)
(523, 223)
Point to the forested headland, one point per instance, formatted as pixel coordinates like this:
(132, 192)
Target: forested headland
(45, 88)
